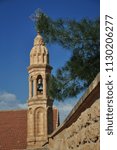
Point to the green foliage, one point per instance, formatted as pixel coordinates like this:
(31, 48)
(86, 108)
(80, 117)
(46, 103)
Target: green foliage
(83, 39)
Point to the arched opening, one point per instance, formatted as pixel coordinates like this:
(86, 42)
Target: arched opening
(39, 85)
(32, 88)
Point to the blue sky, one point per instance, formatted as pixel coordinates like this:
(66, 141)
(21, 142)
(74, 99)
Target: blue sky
(17, 33)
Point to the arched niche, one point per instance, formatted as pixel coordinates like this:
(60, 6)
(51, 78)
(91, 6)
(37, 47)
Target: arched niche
(39, 85)
(44, 57)
(39, 121)
(34, 58)
(38, 58)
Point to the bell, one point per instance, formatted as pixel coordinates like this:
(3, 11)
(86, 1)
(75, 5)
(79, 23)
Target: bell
(40, 86)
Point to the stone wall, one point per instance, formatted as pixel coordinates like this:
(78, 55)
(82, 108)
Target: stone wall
(81, 129)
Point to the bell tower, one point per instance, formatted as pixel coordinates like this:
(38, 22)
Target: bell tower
(39, 116)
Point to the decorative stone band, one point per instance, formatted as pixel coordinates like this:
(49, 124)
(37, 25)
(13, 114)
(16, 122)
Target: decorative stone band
(39, 66)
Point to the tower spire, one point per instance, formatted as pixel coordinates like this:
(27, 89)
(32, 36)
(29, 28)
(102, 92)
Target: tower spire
(39, 52)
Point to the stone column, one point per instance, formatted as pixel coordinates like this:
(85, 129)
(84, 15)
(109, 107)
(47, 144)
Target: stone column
(44, 86)
(46, 123)
(30, 88)
(35, 87)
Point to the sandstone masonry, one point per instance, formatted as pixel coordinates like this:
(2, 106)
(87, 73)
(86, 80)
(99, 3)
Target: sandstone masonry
(40, 110)
(81, 129)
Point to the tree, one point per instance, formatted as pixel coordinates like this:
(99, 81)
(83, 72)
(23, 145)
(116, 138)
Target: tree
(83, 39)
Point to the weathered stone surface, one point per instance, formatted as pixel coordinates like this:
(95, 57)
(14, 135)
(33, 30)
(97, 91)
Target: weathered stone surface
(84, 134)
(81, 129)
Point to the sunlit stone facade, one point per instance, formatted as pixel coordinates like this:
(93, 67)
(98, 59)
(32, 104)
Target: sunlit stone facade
(40, 117)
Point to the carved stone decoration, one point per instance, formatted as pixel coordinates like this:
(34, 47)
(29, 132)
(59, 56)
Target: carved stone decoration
(39, 53)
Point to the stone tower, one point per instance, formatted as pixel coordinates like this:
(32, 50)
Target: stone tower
(40, 117)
